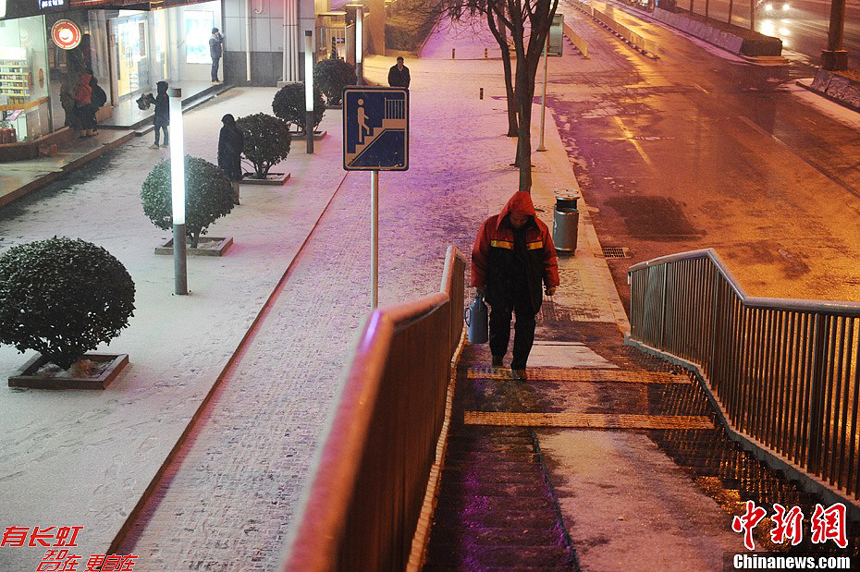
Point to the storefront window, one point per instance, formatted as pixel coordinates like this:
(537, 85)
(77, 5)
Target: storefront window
(24, 81)
(198, 28)
(133, 63)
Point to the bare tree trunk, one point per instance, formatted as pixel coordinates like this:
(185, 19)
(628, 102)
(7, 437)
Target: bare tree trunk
(513, 129)
(528, 59)
(524, 143)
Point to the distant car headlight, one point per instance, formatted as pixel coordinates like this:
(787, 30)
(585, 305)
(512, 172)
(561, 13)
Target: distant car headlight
(768, 7)
(786, 7)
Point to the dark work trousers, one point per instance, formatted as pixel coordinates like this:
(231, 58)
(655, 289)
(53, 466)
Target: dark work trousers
(161, 125)
(215, 60)
(524, 330)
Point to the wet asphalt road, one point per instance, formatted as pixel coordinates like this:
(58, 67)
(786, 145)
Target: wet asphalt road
(802, 25)
(699, 150)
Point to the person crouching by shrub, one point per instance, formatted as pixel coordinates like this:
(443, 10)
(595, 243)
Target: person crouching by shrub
(83, 105)
(162, 114)
(231, 142)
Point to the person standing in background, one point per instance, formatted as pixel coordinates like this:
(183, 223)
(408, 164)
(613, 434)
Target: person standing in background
(231, 143)
(216, 50)
(83, 105)
(97, 100)
(162, 114)
(398, 74)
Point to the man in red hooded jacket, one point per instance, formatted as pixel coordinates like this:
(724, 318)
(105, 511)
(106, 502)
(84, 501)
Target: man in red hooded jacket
(512, 257)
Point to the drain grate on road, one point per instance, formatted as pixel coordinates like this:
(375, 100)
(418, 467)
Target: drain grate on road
(591, 375)
(614, 252)
(585, 420)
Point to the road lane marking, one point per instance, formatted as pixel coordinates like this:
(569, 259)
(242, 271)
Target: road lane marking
(629, 136)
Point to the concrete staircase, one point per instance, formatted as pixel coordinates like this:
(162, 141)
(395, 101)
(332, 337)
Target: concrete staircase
(496, 510)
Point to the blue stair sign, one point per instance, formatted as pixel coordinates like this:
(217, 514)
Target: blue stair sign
(375, 128)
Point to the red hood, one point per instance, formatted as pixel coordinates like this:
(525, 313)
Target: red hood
(521, 203)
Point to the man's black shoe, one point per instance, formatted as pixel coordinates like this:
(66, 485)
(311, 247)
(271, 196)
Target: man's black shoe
(497, 361)
(520, 374)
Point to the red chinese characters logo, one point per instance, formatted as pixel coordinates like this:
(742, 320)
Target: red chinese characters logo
(63, 560)
(826, 524)
(40, 536)
(58, 561)
(829, 524)
(747, 522)
(787, 525)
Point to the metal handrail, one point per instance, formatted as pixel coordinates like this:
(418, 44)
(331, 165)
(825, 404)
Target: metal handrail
(805, 305)
(362, 503)
(785, 373)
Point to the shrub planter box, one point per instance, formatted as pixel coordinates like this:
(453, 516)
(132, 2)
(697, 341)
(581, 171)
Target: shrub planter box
(300, 135)
(104, 368)
(206, 246)
(272, 179)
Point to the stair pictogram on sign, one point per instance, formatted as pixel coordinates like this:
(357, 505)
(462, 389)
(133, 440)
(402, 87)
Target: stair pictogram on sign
(375, 129)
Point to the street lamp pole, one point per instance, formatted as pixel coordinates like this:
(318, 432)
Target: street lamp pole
(177, 190)
(309, 90)
(359, 43)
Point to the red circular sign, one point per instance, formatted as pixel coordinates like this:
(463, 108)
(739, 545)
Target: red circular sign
(66, 34)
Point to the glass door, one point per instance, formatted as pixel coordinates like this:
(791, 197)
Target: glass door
(132, 68)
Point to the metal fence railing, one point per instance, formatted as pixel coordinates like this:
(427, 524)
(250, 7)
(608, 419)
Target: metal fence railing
(366, 489)
(784, 372)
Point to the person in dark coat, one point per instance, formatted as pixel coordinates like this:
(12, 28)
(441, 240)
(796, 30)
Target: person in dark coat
(97, 100)
(512, 257)
(216, 50)
(162, 114)
(231, 143)
(398, 75)
(83, 105)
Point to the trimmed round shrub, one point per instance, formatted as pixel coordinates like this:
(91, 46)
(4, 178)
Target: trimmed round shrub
(267, 141)
(62, 297)
(209, 195)
(331, 76)
(289, 105)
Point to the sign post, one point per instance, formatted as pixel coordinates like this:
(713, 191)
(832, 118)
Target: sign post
(375, 138)
(552, 48)
(374, 237)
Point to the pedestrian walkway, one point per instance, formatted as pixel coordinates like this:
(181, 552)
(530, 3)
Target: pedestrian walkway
(243, 372)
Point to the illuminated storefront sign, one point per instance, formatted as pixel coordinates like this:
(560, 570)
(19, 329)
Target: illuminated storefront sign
(46, 4)
(66, 34)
